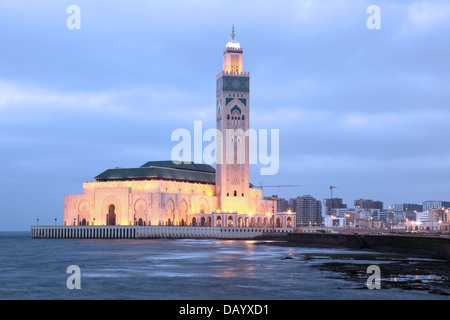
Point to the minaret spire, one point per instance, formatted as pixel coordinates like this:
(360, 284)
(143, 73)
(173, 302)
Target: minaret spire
(232, 32)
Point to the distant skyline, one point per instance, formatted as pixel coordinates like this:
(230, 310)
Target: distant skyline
(364, 110)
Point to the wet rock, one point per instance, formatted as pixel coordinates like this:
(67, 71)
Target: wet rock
(431, 275)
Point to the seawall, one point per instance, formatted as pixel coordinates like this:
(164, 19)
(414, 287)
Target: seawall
(436, 245)
(151, 232)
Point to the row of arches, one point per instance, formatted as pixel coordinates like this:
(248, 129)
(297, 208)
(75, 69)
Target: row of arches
(170, 212)
(259, 221)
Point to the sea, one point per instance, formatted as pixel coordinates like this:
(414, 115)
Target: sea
(176, 269)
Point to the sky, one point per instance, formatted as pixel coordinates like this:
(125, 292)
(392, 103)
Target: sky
(365, 110)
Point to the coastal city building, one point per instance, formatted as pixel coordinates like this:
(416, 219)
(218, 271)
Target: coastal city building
(368, 204)
(308, 211)
(333, 203)
(282, 204)
(435, 204)
(432, 220)
(406, 210)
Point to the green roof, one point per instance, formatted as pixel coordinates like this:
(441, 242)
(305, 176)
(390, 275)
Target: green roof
(183, 166)
(164, 170)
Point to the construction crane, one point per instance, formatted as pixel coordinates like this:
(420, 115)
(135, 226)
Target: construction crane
(273, 199)
(280, 186)
(331, 199)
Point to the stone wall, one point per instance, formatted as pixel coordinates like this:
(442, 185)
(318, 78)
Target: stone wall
(411, 243)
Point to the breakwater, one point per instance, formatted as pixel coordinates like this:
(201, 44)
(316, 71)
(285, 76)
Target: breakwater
(437, 245)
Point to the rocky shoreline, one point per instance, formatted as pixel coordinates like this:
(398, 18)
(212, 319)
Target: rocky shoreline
(406, 270)
(406, 273)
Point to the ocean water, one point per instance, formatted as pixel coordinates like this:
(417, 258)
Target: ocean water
(164, 269)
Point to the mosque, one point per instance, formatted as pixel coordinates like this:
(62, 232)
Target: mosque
(163, 193)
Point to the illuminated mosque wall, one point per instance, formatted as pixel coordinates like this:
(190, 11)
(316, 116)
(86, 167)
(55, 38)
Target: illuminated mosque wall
(160, 203)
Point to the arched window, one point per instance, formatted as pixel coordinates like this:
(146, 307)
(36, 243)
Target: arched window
(228, 117)
(235, 193)
(219, 221)
(243, 117)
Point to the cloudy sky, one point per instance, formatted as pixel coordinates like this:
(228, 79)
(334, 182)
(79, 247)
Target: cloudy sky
(365, 110)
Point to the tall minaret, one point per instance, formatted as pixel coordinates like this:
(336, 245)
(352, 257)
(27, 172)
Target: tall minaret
(233, 113)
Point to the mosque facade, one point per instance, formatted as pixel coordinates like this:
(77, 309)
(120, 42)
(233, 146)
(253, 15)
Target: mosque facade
(167, 193)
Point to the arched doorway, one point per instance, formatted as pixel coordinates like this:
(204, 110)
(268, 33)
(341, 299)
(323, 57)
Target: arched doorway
(218, 221)
(289, 222)
(140, 222)
(230, 221)
(83, 222)
(278, 223)
(202, 221)
(111, 216)
(194, 222)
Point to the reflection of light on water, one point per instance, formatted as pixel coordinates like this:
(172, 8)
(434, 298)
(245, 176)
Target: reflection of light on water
(231, 272)
(408, 277)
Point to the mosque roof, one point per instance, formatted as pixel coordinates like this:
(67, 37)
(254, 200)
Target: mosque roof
(164, 170)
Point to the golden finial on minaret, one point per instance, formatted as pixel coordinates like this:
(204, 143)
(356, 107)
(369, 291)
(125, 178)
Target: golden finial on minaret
(232, 32)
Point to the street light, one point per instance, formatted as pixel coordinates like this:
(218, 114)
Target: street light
(273, 214)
